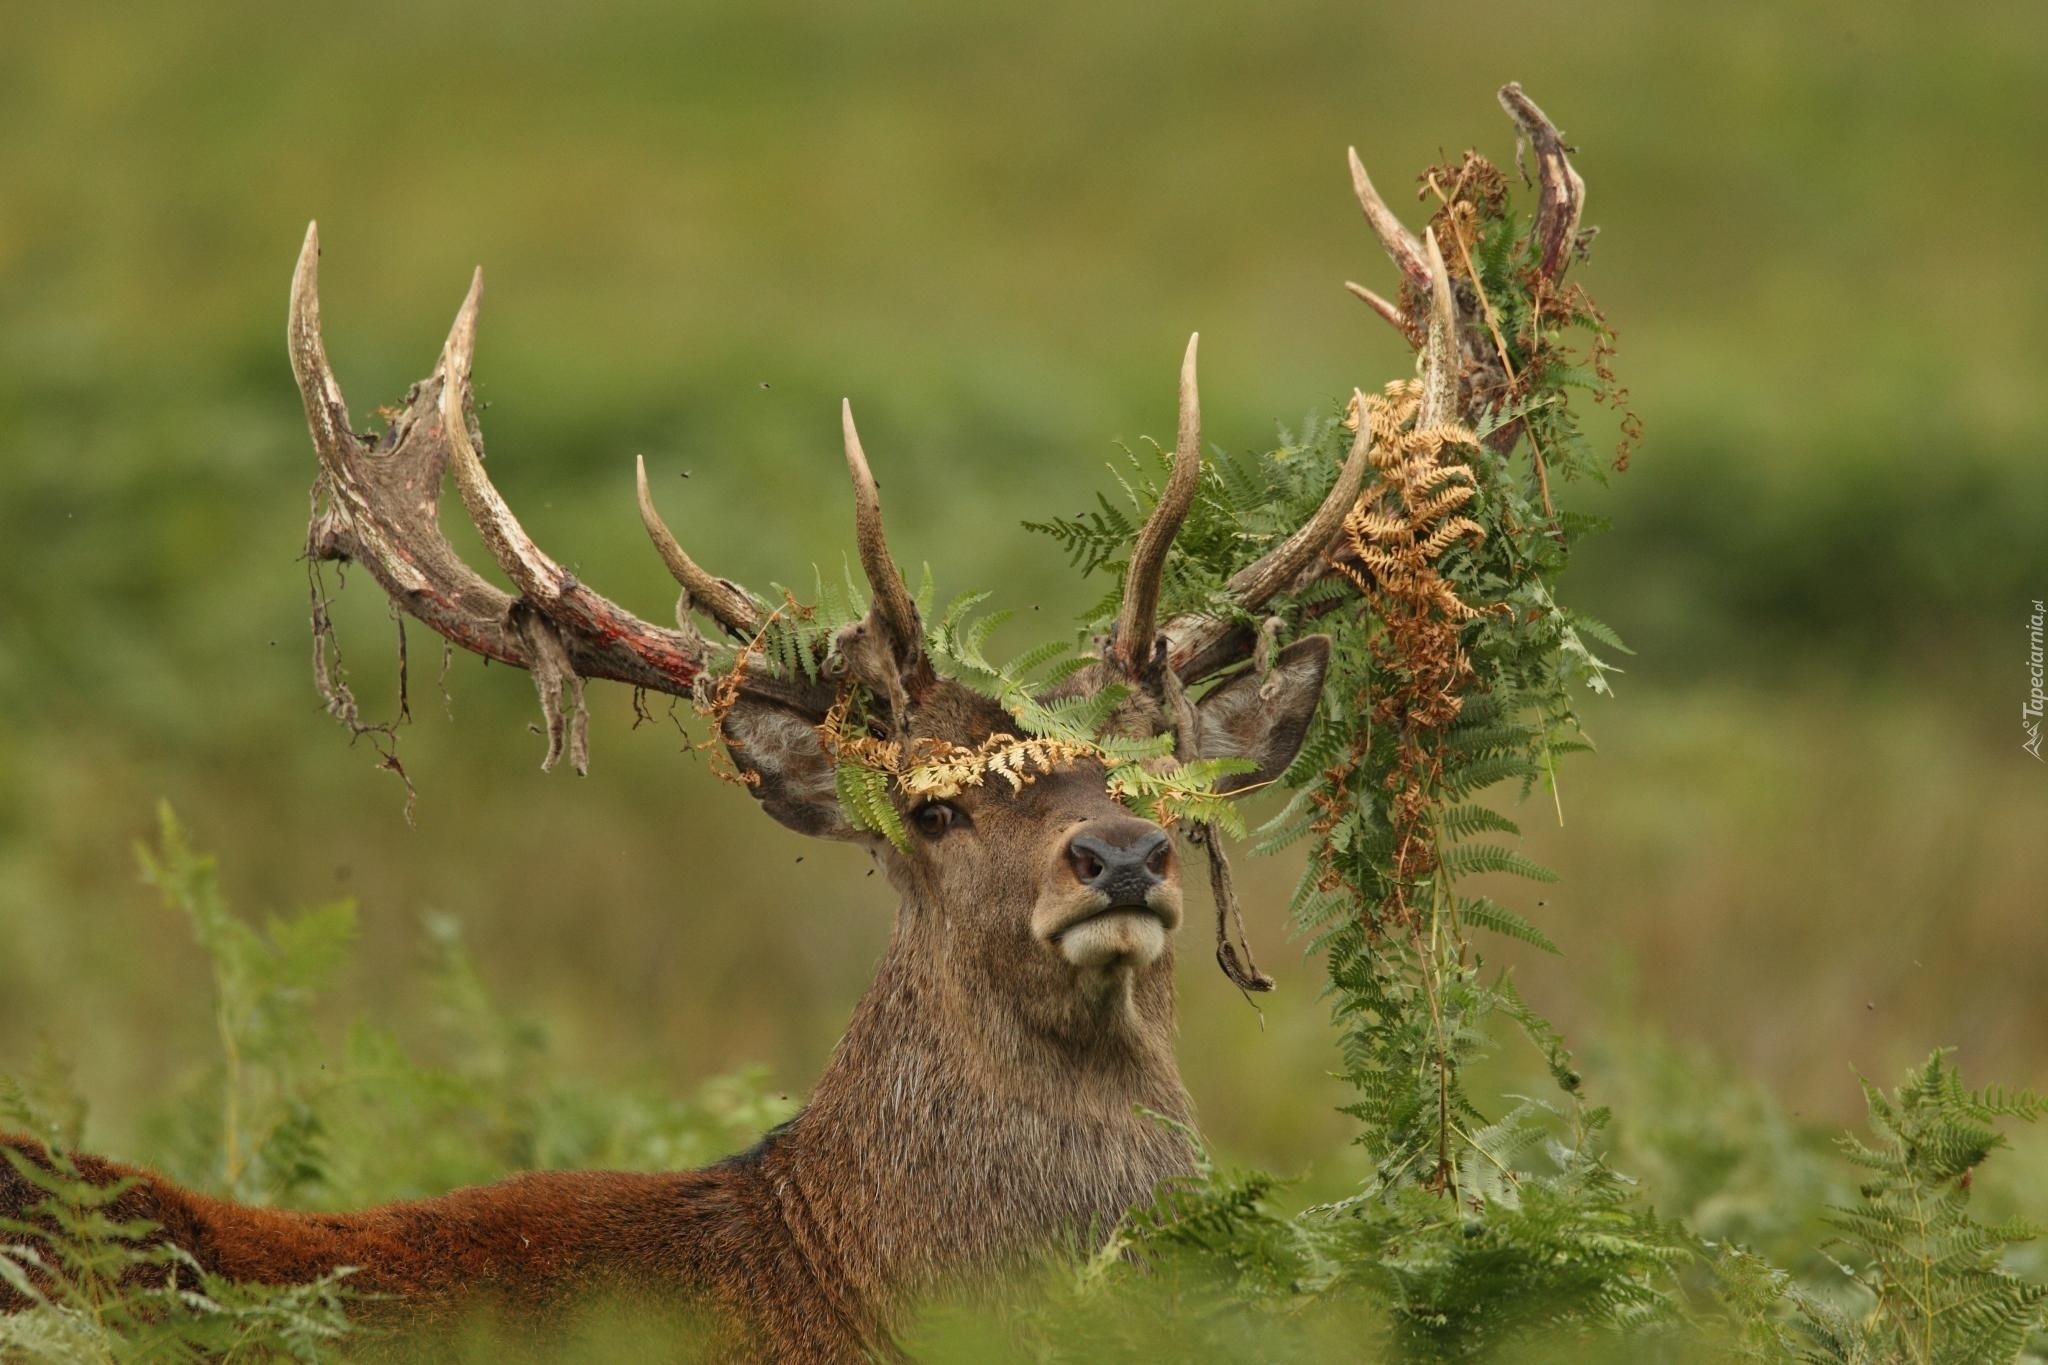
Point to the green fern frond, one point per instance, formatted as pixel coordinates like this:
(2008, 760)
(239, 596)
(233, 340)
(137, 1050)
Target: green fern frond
(1091, 539)
(1486, 914)
(1469, 859)
(1462, 822)
(864, 797)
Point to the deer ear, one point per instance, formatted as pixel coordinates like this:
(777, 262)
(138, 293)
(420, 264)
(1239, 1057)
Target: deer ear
(1264, 716)
(788, 770)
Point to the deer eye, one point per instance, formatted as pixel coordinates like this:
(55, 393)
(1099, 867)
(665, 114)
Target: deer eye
(934, 818)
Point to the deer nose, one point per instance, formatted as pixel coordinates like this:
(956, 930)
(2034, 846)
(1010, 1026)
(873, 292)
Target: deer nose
(1123, 864)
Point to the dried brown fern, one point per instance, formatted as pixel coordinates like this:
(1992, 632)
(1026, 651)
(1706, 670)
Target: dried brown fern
(935, 769)
(1401, 526)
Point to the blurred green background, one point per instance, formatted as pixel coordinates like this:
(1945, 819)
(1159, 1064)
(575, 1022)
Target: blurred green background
(1810, 841)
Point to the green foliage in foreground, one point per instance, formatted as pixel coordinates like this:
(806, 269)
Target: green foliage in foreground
(1570, 1266)
(294, 1117)
(1560, 1257)
(117, 1299)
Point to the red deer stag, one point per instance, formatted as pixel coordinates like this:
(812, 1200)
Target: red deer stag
(989, 1097)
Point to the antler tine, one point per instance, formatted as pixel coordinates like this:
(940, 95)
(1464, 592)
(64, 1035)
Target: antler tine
(892, 604)
(1399, 243)
(539, 579)
(458, 352)
(1561, 194)
(1136, 622)
(1393, 316)
(1442, 360)
(326, 410)
(727, 603)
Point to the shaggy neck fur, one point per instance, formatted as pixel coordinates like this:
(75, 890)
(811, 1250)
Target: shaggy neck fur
(984, 1133)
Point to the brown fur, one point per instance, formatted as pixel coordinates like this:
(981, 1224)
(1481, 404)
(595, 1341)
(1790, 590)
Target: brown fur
(986, 1102)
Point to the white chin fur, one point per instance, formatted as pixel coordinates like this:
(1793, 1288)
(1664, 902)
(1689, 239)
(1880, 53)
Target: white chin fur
(1132, 938)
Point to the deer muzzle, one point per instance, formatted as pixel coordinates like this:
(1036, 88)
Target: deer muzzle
(1119, 897)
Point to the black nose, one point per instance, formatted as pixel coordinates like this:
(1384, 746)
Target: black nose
(1122, 863)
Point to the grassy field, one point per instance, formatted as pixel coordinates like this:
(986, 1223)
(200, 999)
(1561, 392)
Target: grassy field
(1810, 841)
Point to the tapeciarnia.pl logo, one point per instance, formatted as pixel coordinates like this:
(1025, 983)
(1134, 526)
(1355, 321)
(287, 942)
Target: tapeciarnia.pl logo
(2030, 714)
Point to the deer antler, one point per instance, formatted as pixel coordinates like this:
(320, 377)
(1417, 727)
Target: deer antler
(893, 606)
(1560, 193)
(1201, 645)
(1400, 244)
(377, 503)
(1131, 646)
(1442, 362)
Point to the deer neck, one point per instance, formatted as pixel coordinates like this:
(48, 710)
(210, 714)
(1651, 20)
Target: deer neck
(951, 1133)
